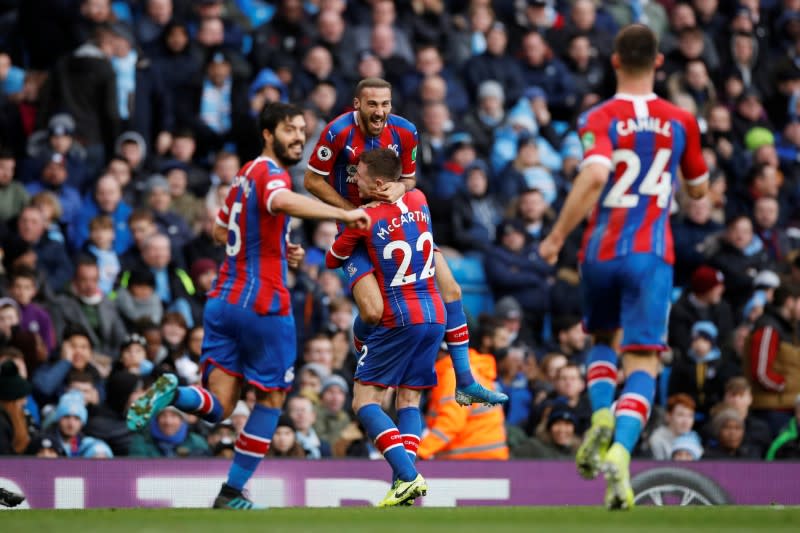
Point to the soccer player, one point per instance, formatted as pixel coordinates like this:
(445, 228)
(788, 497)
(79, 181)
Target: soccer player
(634, 145)
(401, 352)
(331, 177)
(248, 321)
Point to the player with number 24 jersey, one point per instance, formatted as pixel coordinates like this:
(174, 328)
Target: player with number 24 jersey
(643, 140)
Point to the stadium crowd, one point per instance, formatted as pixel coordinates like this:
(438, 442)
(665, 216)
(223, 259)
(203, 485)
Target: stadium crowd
(123, 124)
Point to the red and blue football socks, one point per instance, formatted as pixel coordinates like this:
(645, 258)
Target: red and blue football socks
(198, 401)
(388, 441)
(252, 445)
(457, 338)
(601, 376)
(633, 408)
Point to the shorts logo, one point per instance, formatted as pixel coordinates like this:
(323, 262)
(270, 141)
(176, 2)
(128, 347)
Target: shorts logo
(288, 377)
(351, 270)
(588, 140)
(275, 184)
(324, 153)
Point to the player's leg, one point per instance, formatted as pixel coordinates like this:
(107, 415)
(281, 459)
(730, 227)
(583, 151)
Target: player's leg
(601, 304)
(221, 375)
(409, 419)
(267, 351)
(645, 310)
(468, 391)
(10, 499)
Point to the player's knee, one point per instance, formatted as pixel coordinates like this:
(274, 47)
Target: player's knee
(358, 403)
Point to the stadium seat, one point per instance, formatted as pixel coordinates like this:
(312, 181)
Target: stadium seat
(475, 293)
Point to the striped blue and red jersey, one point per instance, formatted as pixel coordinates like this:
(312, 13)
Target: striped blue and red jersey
(400, 246)
(253, 273)
(342, 142)
(644, 141)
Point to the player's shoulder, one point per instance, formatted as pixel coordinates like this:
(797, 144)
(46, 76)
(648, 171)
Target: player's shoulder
(397, 121)
(601, 110)
(415, 197)
(341, 123)
(267, 170)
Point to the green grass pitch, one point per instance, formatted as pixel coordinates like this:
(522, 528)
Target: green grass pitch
(407, 520)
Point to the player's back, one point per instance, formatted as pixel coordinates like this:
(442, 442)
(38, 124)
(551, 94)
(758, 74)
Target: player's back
(253, 273)
(644, 140)
(400, 244)
(342, 142)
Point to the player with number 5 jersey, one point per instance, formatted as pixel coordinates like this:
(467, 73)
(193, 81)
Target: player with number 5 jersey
(636, 147)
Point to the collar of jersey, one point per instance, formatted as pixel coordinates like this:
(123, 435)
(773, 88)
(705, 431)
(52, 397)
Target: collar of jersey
(634, 97)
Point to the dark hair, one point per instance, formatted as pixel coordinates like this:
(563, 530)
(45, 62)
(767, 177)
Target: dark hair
(141, 214)
(735, 220)
(637, 47)
(85, 260)
(275, 113)
(23, 271)
(80, 376)
(382, 163)
(76, 330)
(565, 322)
(372, 83)
(567, 367)
(783, 293)
(6, 153)
(756, 171)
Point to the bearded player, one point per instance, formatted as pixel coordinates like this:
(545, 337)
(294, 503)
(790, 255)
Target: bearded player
(248, 322)
(331, 177)
(635, 144)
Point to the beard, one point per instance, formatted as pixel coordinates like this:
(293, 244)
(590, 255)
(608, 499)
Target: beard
(282, 153)
(371, 128)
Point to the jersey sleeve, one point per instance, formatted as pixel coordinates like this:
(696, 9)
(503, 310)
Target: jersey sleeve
(325, 152)
(343, 247)
(693, 165)
(277, 181)
(408, 155)
(593, 130)
(224, 213)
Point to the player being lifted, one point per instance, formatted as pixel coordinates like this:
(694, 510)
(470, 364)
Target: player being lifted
(331, 178)
(248, 321)
(638, 141)
(401, 351)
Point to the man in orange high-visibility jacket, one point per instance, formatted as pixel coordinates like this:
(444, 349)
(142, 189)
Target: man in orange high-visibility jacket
(456, 432)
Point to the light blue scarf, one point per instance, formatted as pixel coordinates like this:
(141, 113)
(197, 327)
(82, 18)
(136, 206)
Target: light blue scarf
(125, 70)
(215, 106)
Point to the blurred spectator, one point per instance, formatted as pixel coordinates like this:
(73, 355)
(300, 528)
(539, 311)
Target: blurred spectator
(331, 29)
(100, 246)
(58, 138)
(541, 69)
(84, 304)
(53, 179)
(485, 116)
(33, 318)
(13, 195)
(139, 299)
(558, 439)
(526, 171)
(762, 180)
(728, 430)
(703, 371)
(475, 211)
(301, 411)
(740, 256)
(508, 311)
(571, 339)
(284, 441)
(384, 14)
(787, 444)
(14, 389)
(203, 272)
(766, 215)
(288, 34)
(318, 67)
(687, 447)
(182, 201)
(153, 22)
(331, 416)
(582, 20)
(495, 65)
(695, 82)
(183, 149)
(569, 391)
(107, 420)
(511, 378)
(738, 396)
(456, 432)
(702, 301)
(678, 423)
(590, 72)
(203, 244)
(169, 435)
(770, 358)
(51, 256)
(177, 64)
(106, 200)
(67, 436)
(513, 267)
(690, 229)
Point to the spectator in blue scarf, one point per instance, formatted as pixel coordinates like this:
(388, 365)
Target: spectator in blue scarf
(169, 436)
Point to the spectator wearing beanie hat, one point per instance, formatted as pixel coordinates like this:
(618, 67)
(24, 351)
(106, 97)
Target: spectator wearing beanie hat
(557, 440)
(66, 433)
(139, 299)
(702, 301)
(284, 440)
(332, 416)
(687, 448)
(728, 442)
(484, 117)
(703, 372)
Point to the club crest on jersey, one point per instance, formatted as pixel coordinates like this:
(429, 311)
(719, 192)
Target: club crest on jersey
(587, 141)
(351, 173)
(351, 270)
(275, 184)
(324, 153)
(394, 148)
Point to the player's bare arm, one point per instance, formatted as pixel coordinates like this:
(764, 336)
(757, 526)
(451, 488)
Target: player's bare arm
(318, 185)
(393, 191)
(584, 195)
(300, 206)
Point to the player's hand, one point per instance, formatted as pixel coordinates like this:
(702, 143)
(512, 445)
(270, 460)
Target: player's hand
(294, 254)
(391, 192)
(357, 218)
(548, 250)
